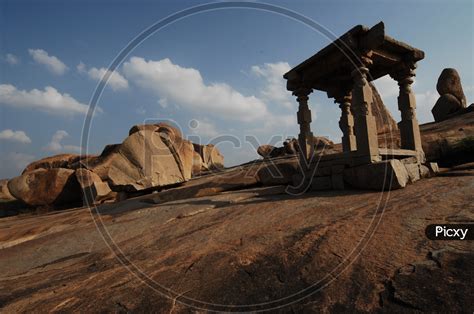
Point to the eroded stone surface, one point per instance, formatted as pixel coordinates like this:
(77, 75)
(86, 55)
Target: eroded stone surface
(244, 247)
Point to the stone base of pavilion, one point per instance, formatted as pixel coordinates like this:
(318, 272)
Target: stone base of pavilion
(390, 169)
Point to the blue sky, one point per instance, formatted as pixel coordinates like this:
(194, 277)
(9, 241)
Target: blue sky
(222, 68)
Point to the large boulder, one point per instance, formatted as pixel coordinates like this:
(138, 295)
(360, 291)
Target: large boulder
(45, 187)
(383, 119)
(184, 150)
(160, 127)
(290, 147)
(211, 157)
(144, 160)
(266, 150)
(94, 190)
(197, 164)
(449, 82)
(446, 106)
(321, 142)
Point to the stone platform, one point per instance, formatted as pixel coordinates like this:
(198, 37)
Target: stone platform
(392, 169)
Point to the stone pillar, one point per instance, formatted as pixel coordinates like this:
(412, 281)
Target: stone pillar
(305, 138)
(346, 122)
(409, 130)
(364, 122)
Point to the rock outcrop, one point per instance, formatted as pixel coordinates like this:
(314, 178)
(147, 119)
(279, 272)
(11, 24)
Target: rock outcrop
(45, 187)
(336, 251)
(321, 142)
(268, 151)
(383, 118)
(151, 157)
(449, 82)
(94, 190)
(211, 158)
(452, 100)
(143, 161)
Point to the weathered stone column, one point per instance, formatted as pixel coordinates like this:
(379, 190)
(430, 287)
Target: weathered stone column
(305, 138)
(409, 130)
(364, 122)
(346, 122)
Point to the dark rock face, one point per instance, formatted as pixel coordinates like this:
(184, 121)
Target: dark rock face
(440, 284)
(266, 150)
(321, 142)
(452, 100)
(278, 172)
(93, 188)
(449, 82)
(445, 106)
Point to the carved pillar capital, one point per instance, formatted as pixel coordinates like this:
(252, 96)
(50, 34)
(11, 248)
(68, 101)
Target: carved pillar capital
(302, 93)
(405, 76)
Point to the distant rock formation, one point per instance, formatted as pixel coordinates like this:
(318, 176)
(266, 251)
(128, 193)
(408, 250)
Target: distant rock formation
(152, 156)
(449, 82)
(452, 100)
(290, 147)
(383, 119)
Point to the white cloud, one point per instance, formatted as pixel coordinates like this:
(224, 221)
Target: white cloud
(12, 59)
(424, 103)
(278, 124)
(386, 86)
(274, 89)
(163, 102)
(186, 88)
(205, 128)
(56, 146)
(15, 136)
(52, 63)
(13, 162)
(81, 68)
(49, 100)
(116, 81)
(140, 110)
